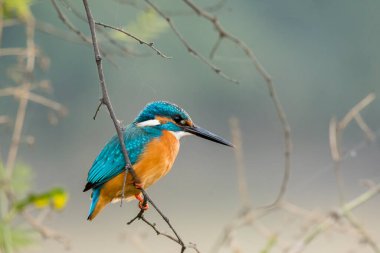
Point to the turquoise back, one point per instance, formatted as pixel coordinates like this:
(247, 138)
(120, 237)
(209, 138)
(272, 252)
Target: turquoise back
(110, 162)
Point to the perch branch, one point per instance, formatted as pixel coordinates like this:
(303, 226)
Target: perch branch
(107, 102)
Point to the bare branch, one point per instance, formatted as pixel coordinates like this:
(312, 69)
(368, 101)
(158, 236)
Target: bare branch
(140, 41)
(115, 43)
(20, 117)
(356, 109)
(335, 152)
(215, 47)
(189, 48)
(48, 103)
(46, 232)
(363, 232)
(317, 229)
(12, 51)
(20, 93)
(240, 168)
(72, 28)
(365, 128)
(336, 131)
(68, 24)
(334, 137)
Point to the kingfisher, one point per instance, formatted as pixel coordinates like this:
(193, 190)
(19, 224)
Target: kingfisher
(152, 143)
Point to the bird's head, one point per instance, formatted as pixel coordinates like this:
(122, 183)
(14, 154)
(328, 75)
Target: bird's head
(168, 116)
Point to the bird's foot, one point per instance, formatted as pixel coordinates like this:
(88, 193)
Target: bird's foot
(142, 205)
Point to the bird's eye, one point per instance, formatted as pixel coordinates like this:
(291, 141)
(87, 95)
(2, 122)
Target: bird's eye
(179, 120)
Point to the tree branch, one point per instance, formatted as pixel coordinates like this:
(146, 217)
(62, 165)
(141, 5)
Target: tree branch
(107, 102)
(140, 41)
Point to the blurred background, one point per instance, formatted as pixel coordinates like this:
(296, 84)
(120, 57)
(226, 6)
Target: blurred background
(323, 57)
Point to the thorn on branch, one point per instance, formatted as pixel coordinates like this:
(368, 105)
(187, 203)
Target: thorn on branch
(98, 108)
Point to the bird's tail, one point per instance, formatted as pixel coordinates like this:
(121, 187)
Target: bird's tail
(97, 204)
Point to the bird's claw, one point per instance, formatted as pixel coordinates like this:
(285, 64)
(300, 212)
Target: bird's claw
(141, 200)
(143, 207)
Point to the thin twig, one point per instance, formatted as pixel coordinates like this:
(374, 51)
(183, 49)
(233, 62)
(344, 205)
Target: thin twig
(72, 28)
(211, 8)
(240, 168)
(317, 229)
(12, 51)
(97, 109)
(46, 232)
(20, 93)
(20, 117)
(364, 127)
(186, 44)
(140, 41)
(334, 138)
(140, 216)
(356, 109)
(115, 43)
(336, 132)
(68, 24)
(215, 47)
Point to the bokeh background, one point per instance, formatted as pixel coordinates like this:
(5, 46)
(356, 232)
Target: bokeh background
(324, 58)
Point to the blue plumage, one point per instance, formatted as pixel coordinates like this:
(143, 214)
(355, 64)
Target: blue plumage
(155, 120)
(95, 197)
(161, 108)
(110, 162)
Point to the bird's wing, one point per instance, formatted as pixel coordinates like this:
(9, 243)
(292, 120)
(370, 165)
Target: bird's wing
(110, 162)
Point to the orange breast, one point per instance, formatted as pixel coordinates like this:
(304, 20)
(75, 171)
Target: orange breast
(156, 161)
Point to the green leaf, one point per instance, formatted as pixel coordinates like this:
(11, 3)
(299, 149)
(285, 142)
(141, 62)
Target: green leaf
(148, 26)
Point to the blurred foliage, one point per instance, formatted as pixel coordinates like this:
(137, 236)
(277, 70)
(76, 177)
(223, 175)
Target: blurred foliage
(12, 236)
(56, 198)
(20, 182)
(15, 9)
(19, 238)
(148, 26)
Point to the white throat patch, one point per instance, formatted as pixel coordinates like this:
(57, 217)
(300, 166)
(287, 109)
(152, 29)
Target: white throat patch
(151, 122)
(179, 134)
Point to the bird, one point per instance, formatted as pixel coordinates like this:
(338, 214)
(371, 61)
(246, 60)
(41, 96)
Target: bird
(152, 141)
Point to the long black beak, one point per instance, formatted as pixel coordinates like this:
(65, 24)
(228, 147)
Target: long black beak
(201, 132)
